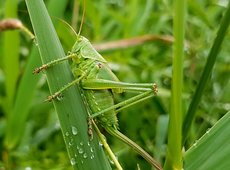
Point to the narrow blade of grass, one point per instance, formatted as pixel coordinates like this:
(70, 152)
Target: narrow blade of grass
(17, 121)
(83, 153)
(11, 56)
(206, 73)
(25, 94)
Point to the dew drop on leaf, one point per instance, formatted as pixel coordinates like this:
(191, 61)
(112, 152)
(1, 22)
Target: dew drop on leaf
(72, 161)
(100, 144)
(85, 155)
(91, 149)
(74, 130)
(67, 133)
(80, 150)
(92, 156)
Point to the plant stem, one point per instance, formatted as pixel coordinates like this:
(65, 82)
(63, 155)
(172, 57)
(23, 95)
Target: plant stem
(174, 155)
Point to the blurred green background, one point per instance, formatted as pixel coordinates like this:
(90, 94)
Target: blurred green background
(32, 125)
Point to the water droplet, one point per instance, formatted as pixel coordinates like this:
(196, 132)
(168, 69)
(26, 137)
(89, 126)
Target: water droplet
(82, 161)
(72, 161)
(91, 149)
(57, 126)
(35, 42)
(75, 155)
(81, 143)
(92, 156)
(67, 133)
(80, 150)
(111, 162)
(85, 155)
(77, 147)
(71, 142)
(74, 130)
(100, 144)
(28, 168)
(88, 144)
(208, 131)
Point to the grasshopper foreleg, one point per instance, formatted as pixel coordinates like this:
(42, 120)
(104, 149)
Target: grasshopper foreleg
(79, 72)
(52, 63)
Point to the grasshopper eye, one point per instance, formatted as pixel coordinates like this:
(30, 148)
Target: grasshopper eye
(99, 65)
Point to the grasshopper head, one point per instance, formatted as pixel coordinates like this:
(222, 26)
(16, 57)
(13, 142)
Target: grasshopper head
(85, 49)
(78, 44)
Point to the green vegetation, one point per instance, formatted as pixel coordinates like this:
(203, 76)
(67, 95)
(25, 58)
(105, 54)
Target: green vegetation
(31, 129)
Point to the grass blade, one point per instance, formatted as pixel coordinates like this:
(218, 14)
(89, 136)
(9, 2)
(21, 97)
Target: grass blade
(11, 57)
(16, 123)
(71, 110)
(206, 73)
(212, 150)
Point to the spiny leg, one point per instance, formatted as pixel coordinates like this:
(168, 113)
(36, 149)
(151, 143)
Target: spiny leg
(106, 146)
(81, 73)
(52, 63)
(58, 93)
(134, 100)
(134, 146)
(139, 98)
(101, 84)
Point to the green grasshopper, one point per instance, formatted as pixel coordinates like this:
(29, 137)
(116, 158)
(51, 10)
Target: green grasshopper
(98, 84)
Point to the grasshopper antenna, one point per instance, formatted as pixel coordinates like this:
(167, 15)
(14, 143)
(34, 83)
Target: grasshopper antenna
(82, 19)
(68, 25)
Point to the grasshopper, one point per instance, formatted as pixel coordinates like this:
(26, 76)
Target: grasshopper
(98, 84)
